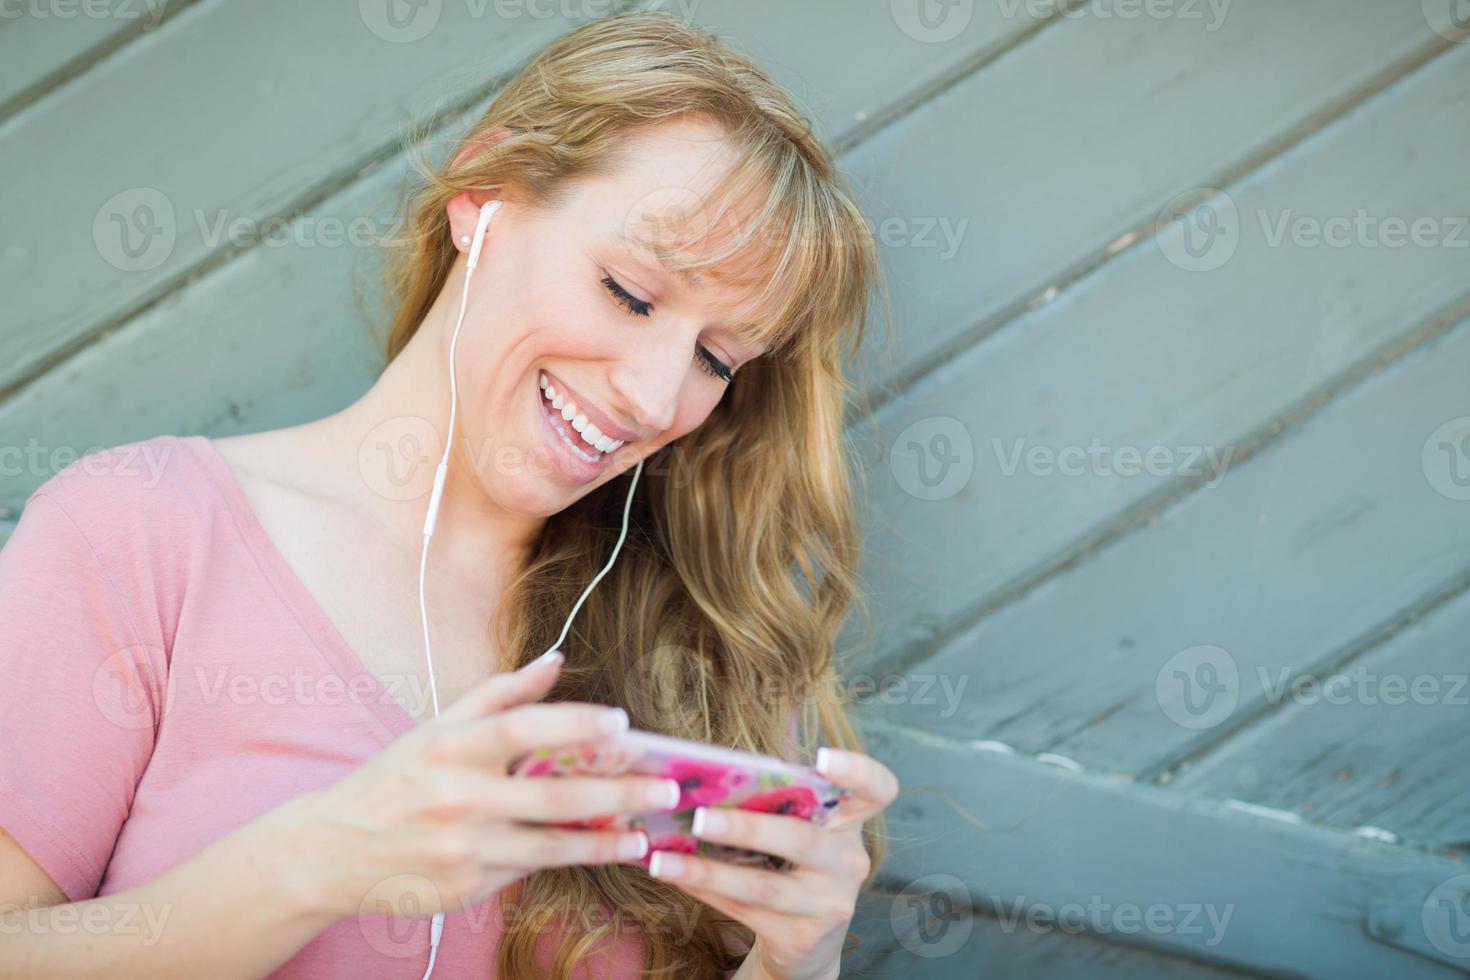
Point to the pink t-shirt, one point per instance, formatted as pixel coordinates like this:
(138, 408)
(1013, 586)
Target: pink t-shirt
(168, 678)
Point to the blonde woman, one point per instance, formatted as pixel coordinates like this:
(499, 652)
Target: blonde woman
(677, 267)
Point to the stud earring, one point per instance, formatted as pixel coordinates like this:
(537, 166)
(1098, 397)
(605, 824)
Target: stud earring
(464, 239)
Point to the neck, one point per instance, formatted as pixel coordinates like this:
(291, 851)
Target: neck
(388, 444)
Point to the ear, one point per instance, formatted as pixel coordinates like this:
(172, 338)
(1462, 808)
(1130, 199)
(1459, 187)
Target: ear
(463, 208)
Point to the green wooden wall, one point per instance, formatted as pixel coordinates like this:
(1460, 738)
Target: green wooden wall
(1167, 489)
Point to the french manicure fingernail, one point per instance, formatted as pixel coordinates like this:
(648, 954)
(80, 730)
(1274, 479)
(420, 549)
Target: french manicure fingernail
(707, 821)
(665, 795)
(633, 845)
(614, 720)
(826, 761)
(665, 864)
(549, 657)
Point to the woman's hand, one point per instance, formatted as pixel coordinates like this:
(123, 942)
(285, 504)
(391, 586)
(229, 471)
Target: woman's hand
(799, 916)
(434, 822)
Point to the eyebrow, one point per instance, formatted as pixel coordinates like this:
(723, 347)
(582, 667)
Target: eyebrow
(745, 330)
(638, 243)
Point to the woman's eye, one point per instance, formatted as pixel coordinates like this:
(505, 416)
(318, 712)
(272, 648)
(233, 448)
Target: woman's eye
(629, 302)
(712, 365)
(707, 362)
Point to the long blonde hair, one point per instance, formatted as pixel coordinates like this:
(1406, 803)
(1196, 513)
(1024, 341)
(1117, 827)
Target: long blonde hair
(719, 619)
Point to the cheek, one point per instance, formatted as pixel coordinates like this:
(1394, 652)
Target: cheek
(569, 323)
(696, 403)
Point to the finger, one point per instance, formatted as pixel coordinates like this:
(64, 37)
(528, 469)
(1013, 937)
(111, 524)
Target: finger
(546, 847)
(495, 740)
(872, 784)
(556, 799)
(760, 921)
(804, 844)
(505, 690)
(776, 891)
(462, 791)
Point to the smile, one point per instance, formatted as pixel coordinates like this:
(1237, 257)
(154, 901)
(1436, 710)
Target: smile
(581, 435)
(580, 449)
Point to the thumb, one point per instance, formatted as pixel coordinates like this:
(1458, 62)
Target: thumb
(502, 691)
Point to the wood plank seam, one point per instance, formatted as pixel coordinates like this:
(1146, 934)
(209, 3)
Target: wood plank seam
(1147, 510)
(1348, 871)
(1129, 238)
(43, 87)
(870, 958)
(458, 111)
(1335, 662)
(1046, 759)
(914, 99)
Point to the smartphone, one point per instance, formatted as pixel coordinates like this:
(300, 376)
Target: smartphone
(709, 775)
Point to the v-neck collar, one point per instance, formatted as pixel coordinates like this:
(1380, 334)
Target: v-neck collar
(294, 593)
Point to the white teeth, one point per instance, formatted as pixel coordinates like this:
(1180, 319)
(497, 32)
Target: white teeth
(591, 434)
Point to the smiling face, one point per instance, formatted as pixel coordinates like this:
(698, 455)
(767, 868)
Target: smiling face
(566, 299)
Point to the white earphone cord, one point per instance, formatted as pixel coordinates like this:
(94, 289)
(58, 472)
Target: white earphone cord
(487, 211)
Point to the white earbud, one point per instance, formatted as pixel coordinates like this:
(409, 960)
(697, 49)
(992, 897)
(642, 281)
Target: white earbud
(487, 212)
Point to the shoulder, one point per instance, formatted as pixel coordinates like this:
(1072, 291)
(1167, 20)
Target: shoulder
(130, 483)
(119, 531)
(148, 510)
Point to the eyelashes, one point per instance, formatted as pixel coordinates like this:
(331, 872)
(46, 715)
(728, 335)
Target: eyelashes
(630, 302)
(707, 362)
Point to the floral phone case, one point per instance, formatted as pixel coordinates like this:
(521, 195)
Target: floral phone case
(710, 775)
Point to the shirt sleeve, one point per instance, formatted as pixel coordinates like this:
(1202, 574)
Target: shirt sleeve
(80, 703)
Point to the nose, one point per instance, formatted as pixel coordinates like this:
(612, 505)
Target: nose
(649, 387)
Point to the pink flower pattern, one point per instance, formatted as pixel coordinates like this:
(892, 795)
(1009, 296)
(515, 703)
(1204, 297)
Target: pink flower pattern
(796, 800)
(702, 783)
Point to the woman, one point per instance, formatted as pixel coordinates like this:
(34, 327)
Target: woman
(672, 278)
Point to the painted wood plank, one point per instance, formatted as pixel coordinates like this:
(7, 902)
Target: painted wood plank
(119, 421)
(1380, 741)
(1328, 534)
(916, 937)
(1234, 888)
(1149, 355)
(291, 132)
(43, 44)
(854, 64)
(201, 140)
(1020, 177)
(273, 337)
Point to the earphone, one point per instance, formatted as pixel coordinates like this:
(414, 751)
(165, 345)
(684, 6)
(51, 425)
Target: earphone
(487, 212)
